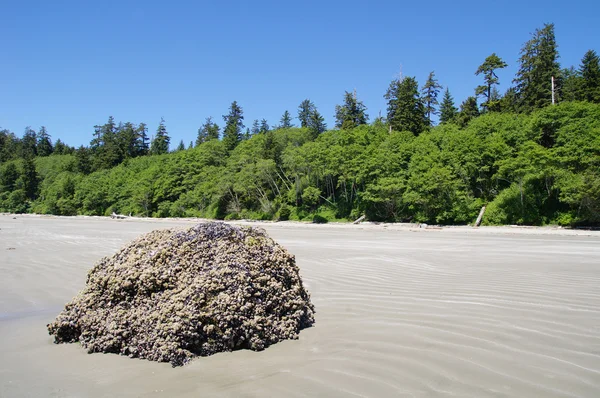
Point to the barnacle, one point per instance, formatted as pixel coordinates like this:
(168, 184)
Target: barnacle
(172, 295)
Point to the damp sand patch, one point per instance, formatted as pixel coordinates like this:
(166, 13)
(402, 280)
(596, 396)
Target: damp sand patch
(173, 295)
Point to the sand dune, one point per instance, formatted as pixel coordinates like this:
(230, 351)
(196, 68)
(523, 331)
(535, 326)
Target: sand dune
(400, 312)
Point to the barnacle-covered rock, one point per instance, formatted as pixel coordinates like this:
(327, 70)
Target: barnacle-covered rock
(175, 294)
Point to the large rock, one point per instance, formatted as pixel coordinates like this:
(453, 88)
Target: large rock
(172, 295)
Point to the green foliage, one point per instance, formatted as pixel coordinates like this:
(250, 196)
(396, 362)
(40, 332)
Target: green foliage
(590, 77)
(429, 93)
(468, 111)
(160, 143)
(351, 114)
(232, 134)
(488, 69)
(286, 121)
(406, 111)
(447, 109)
(538, 64)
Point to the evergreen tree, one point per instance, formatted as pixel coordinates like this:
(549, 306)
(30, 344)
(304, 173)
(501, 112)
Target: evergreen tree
(447, 109)
(232, 133)
(429, 94)
(316, 123)
(83, 162)
(191, 145)
(105, 147)
(29, 178)
(255, 127)
(264, 127)
(351, 114)
(488, 69)
(44, 143)
(60, 148)
(571, 85)
(160, 143)
(305, 110)
(509, 102)
(590, 77)
(180, 147)
(9, 177)
(405, 111)
(141, 143)
(285, 121)
(538, 65)
(127, 140)
(468, 111)
(208, 131)
(29, 143)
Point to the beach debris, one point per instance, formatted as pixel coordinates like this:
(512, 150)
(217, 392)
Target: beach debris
(359, 219)
(480, 216)
(119, 216)
(172, 295)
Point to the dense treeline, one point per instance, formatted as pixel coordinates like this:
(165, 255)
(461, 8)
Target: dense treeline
(528, 161)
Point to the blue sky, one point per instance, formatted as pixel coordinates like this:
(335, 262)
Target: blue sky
(69, 65)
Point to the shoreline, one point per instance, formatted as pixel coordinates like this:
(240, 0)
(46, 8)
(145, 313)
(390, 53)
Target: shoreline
(369, 225)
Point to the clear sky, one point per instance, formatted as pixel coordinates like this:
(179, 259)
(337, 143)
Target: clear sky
(69, 65)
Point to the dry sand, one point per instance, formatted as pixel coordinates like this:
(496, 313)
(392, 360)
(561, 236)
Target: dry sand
(401, 311)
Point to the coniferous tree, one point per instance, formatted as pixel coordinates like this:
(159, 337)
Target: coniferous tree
(232, 133)
(264, 127)
(538, 65)
(29, 143)
(160, 143)
(305, 110)
(255, 127)
(83, 162)
(29, 178)
(429, 93)
(590, 77)
(127, 140)
(316, 123)
(60, 148)
(447, 109)
(468, 111)
(44, 143)
(208, 131)
(571, 84)
(141, 143)
(405, 111)
(285, 121)
(191, 145)
(180, 147)
(105, 147)
(488, 69)
(351, 114)
(8, 178)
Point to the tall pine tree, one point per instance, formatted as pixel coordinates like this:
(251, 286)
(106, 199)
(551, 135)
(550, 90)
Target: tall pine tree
(305, 109)
(316, 123)
(285, 121)
(429, 94)
(160, 143)
(406, 111)
(44, 143)
(538, 65)
(351, 114)
(208, 131)
(447, 109)
(232, 133)
(590, 77)
(488, 69)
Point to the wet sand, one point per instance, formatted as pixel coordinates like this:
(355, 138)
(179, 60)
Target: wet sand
(401, 311)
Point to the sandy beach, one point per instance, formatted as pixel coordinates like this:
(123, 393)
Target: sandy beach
(400, 311)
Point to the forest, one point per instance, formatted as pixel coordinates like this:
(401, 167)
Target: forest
(530, 155)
